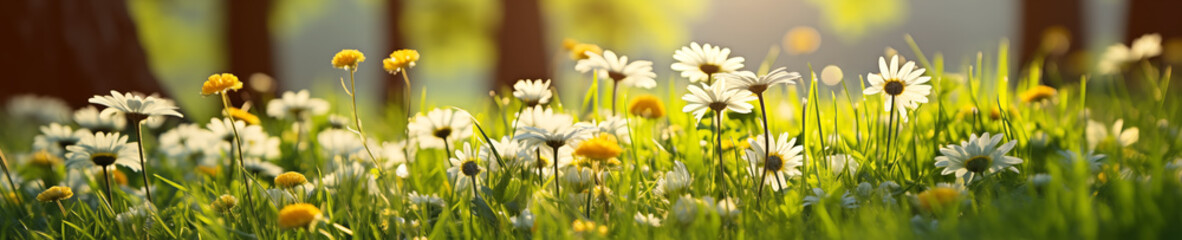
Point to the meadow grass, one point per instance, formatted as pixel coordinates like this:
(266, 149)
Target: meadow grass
(1133, 192)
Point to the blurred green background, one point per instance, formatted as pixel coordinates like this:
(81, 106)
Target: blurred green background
(469, 47)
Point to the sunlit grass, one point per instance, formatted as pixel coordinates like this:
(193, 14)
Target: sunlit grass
(615, 184)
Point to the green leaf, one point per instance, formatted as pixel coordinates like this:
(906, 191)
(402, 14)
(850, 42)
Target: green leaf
(174, 184)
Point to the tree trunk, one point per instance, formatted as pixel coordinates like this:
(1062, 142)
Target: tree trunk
(72, 50)
(248, 40)
(522, 53)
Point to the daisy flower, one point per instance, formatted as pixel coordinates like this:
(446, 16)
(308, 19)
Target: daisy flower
(296, 105)
(674, 183)
(102, 150)
(1146, 46)
(190, 141)
(257, 143)
(613, 125)
(532, 92)
(106, 121)
(647, 220)
(136, 107)
(847, 200)
(977, 156)
(700, 62)
(339, 143)
(464, 165)
(525, 220)
(440, 127)
(776, 162)
(262, 168)
(55, 138)
(903, 87)
(717, 97)
(43, 109)
(511, 151)
(398, 153)
(1096, 132)
(746, 80)
(840, 163)
(635, 74)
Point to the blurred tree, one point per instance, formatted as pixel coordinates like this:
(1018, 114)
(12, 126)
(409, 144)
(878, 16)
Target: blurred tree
(1047, 18)
(522, 52)
(72, 49)
(1153, 16)
(248, 38)
(394, 41)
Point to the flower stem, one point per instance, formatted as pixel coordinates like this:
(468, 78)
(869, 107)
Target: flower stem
(891, 128)
(357, 121)
(721, 178)
(139, 134)
(447, 150)
(615, 89)
(405, 97)
(767, 146)
(107, 182)
(241, 162)
(7, 173)
(557, 190)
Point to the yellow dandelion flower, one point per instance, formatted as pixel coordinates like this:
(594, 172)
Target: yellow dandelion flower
(400, 60)
(1038, 94)
(243, 115)
(579, 51)
(290, 180)
(995, 113)
(56, 193)
(299, 215)
(348, 59)
(224, 203)
(647, 106)
(44, 159)
(569, 43)
(602, 147)
(207, 170)
(119, 177)
(220, 83)
(966, 112)
(11, 196)
(938, 198)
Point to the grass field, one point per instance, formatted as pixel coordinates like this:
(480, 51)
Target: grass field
(1065, 157)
